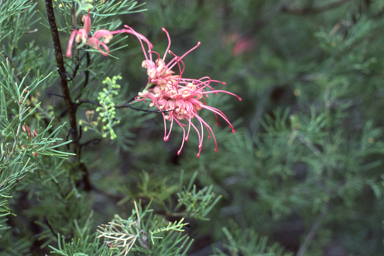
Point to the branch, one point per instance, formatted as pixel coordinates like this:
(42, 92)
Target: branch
(86, 72)
(131, 99)
(313, 10)
(125, 105)
(50, 227)
(60, 66)
(69, 77)
(311, 234)
(297, 11)
(86, 179)
(93, 141)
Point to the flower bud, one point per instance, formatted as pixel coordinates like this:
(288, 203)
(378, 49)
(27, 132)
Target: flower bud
(28, 131)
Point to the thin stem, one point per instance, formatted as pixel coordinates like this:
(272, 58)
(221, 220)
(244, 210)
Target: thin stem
(283, 8)
(125, 105)
(311, 234)
(65, 75)
(50, 227)
(313, 10)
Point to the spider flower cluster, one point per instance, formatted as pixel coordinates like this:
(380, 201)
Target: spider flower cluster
(177, 97)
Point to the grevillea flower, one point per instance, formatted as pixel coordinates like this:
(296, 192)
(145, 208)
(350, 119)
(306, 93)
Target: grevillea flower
(82, 35)
(180, 97)
(241, 44)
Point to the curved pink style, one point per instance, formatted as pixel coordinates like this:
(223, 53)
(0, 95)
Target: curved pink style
(182, 98)
(94, 41)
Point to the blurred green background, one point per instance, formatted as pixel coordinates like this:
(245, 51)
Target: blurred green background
(304, 167)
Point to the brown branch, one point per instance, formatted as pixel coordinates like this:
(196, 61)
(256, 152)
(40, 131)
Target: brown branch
(125, 105)
(69, 77)
(311, 234)
(61, 68)
(297, 11)
(313, 10)
(86, 179)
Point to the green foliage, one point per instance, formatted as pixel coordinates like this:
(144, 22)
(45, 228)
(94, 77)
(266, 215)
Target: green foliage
(9, 11)
(84, 243)
(191, 203)
(15, 155)
(80, 247)
(141, 232)
(197, 203)
(302, 174)
(248, 243)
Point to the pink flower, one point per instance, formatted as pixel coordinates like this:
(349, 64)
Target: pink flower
(241, 44)
(181, 97)
(94, 41)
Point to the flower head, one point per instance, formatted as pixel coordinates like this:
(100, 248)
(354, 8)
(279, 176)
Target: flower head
(82, 35)
(180, 97)
(240, 44)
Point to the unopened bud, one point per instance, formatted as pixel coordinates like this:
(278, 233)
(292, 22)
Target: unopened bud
(29, 131)
(34, 133)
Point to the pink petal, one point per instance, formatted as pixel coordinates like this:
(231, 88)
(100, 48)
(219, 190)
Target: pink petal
(70, 43)
(103, 33)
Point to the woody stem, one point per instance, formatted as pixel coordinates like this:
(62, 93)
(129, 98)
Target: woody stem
(61, 68)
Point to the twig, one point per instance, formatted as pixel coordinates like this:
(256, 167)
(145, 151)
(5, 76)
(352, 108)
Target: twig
(62, 114)
(309, 144)
(93, 141)
(143, 110)
(55, 94)
(50, 227)
(86, 72)
(80, 133)
(131, 99)
(69, 77)
(125, 105)
(313, 10)
(66, 138)
(311, 234)
(297, 11)
(86, 180)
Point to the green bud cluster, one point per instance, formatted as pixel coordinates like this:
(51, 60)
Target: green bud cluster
(107, 109)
